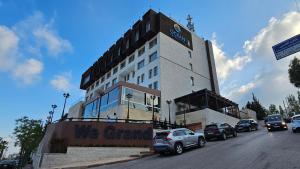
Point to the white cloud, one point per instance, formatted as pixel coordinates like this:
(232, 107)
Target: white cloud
(29, 71)
(225, 65)
(272, 84)
(8, 48)
(21, 47)
(54, 44)
(61, 82)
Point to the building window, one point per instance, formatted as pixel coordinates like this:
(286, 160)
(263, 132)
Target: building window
(150, 86)
(142, 77)
(92, 87)
(138, 80)
(152, 43)
(150, 74)
(114, 81)
(115, 70)
(192, 81)
(152, 57)
(155, 69)
(190, 54)
(141, 64)
(191, 67)
(122, 65)
(108, 75)
(127, 77)
(133, 74)
(155, 85)
(102, 79)
(148, 26)
(131, 59)
(88, 89)
(137, 35)
(97, 83)
(107, 85)
(119, 51)
(86, 79)
(127, 44)
(141, 51)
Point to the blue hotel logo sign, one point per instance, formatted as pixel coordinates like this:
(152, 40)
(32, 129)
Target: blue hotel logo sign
(175, 33)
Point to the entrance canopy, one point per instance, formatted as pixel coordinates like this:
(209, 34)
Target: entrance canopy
(206, 99)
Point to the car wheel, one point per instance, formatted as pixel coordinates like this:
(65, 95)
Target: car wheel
(162, 153)
(269, 130)
(201, 142)
(178, 148)
(224, 137)
(234, 134)
(249, 129)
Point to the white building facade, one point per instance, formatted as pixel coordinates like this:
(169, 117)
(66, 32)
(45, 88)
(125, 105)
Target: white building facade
(156, 57)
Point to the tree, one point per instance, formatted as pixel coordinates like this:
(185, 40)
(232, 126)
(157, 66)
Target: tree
(273, 109)
(3, 146)
(293, 104)
(257, 107)
(28, 133)
(294, 72)
(282, 112)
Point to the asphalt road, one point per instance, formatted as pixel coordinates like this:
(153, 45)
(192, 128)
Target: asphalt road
(250, 150)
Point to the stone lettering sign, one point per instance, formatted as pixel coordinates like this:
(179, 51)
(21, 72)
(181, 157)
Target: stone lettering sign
(92, 133)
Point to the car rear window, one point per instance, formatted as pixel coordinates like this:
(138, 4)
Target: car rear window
(296, 118)
(161, 135)
(274, 118)
(210, 127)
(243, 121)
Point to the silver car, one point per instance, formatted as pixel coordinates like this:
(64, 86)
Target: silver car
(175, 140)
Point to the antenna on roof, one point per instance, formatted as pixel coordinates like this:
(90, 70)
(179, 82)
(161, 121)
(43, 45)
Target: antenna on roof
(190, 24)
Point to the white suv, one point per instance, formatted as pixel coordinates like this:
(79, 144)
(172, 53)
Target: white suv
(176, 140)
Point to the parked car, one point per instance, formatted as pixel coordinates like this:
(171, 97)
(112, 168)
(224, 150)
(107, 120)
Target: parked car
(295, 123)
(176, 140)
(275, 122)
(8, 164)
(246, 125)
(219, 131)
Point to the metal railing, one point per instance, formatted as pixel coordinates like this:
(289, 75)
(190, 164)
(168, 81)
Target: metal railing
(156, 124)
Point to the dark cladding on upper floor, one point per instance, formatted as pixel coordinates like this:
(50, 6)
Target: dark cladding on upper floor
(142, 31)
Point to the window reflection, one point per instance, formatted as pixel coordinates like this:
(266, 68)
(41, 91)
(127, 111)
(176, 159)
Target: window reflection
(140, 100)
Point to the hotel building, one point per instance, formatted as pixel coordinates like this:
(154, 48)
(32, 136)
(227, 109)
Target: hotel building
(156, 61)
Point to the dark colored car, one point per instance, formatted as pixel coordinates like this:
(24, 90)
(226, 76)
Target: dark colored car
(8, 164)
(246, 125)
(276, 122)
(219, 131)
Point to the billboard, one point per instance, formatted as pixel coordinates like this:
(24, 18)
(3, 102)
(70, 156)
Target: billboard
(287, 47)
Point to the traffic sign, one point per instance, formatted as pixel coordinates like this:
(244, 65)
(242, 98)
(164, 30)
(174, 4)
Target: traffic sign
(287, 47)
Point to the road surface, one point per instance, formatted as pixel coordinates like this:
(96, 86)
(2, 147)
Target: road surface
(251, 150)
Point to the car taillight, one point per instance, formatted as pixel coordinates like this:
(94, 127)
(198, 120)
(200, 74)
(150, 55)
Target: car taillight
(167, 139)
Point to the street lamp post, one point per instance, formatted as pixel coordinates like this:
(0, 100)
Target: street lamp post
(54, 106)
(66, 95)
(128, 96)
(169, 102)
(153, 98)
(51, 116)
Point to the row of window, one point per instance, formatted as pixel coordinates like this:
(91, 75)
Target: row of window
(152, 57)
(154, 85)
(140, 79)
(131, 58)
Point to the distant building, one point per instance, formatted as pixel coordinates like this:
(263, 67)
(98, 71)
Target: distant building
(248, 114)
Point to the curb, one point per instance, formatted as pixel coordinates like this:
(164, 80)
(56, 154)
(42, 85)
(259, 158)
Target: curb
(109, 163)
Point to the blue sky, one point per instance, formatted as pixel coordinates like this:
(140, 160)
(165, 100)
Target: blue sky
(46, 45)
